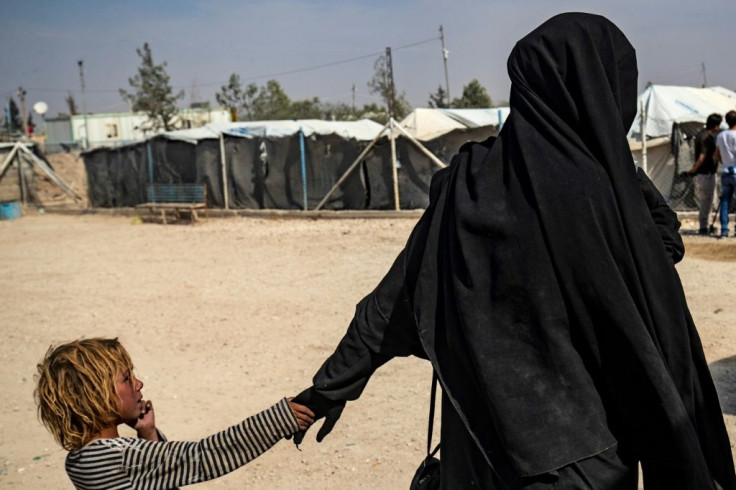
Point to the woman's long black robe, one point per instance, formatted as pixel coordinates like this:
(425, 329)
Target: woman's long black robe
(539, 284)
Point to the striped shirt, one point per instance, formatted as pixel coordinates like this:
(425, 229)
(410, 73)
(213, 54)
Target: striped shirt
(128, 463)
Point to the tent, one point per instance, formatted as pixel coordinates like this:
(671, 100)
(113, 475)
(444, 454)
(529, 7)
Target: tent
(429, 124)
(664, 105)
(671, 116)
(17, 179)
(293, 164)
(444, 131)
(262, 165)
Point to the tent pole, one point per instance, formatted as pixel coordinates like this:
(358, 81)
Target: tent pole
(351, 167)
(9, 159)
(22, 179)
(394, 168)
(224, 171)
(643, 127)
(52, 175)
(421, 147)
(304, 168)
(149, 160)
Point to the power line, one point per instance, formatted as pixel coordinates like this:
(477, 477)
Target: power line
(258, 77)
(37, 89)
(300, 70)
(333, 63)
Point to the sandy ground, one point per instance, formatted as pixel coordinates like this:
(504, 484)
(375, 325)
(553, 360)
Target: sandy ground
(224, 318)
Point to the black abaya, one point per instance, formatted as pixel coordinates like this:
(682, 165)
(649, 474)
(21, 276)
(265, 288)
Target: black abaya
(540, 283)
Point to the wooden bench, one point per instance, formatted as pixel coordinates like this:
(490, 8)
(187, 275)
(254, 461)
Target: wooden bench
(177, 198)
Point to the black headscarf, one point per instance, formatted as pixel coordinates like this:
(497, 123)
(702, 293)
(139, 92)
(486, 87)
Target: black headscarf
(540, 283)
(543, 293)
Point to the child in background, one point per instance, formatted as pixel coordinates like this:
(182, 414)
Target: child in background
(86, 388)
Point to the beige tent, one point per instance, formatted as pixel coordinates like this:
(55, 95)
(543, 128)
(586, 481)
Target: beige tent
(17, 182)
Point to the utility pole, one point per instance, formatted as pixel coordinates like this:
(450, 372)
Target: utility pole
(8, 118)
(705, 80)
(23, 112)
(84, 104)
(391, 99)
(353, 98)
(445, 54)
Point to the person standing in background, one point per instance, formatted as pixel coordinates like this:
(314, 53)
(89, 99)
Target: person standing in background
(726, 154)
(705, 168)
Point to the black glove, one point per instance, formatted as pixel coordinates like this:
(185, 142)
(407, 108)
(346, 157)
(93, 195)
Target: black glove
(322, 407)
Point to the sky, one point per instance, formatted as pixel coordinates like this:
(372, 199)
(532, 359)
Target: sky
(291, 41)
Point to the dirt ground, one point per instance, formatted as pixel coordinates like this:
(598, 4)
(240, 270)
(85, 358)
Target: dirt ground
(224, 318)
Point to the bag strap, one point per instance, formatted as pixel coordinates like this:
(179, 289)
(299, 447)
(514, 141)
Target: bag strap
(432, 397)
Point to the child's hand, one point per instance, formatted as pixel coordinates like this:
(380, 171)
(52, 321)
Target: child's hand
(303, 414)
(145, 424)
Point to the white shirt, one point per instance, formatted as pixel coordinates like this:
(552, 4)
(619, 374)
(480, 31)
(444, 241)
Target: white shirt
(726, 143)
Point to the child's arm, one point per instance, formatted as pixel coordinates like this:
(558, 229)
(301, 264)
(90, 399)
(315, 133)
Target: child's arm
(183, 463)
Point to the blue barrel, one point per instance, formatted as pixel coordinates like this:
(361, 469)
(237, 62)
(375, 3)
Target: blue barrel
(10, 210)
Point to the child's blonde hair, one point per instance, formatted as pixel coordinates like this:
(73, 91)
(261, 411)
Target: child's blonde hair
(76, 389)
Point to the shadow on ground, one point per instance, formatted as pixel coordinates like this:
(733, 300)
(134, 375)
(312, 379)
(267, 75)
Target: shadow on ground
(724, 376)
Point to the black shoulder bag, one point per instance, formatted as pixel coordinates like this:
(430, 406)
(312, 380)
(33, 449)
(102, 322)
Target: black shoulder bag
(427, 476)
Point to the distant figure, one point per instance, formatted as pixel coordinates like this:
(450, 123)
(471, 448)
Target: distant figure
(726, 154)
(704, 170)
(86, 388)
(540, 284)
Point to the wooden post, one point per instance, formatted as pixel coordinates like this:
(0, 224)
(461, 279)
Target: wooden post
(9, 159)
(643, 126)
(445, 53)
(22, 180)
(304, 168)
(223, 163)
(351, 167)
(23, 111)
(49, 172)
(419, 146)
(394, 168)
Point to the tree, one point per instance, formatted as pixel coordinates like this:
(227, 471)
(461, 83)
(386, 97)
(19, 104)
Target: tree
(271, 102)
(380, 84)
(474, 96)
(374, 112)
(16, 124)
(152, 92)
(306, 109)
(71, 104)
(338, 111)
(237, 98)
(438, 99)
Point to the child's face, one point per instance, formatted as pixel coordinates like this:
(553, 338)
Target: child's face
(130, 403)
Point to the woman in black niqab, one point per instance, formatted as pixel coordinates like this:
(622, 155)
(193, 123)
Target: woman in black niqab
(540, 283)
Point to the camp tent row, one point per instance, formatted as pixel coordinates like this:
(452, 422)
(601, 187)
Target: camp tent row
(292, 164)
(671, 116)
(296, 164)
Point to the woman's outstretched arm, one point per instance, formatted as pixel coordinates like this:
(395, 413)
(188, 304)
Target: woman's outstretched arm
(383, 327)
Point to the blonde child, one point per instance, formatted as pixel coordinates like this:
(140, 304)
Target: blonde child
(86, 388)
